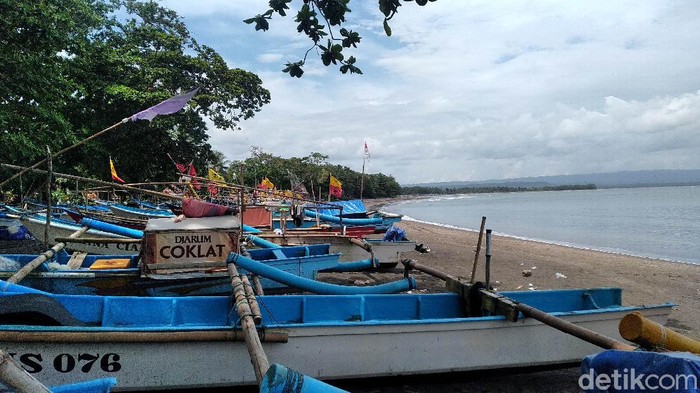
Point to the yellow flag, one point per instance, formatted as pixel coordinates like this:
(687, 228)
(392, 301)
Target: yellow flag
(266, 183)
(336, 187)
(216, 177)
(335, 182)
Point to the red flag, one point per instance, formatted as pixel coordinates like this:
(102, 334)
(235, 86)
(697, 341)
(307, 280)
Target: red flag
(113, 171)
(192, 173)
(366, 150)
(180, 167)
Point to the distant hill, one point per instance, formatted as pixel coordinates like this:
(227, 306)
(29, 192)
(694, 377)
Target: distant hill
(650, 178)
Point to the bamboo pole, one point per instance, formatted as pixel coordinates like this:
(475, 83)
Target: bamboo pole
(97, 240)
(24, 170)
(101, 182)
(49, 184)
(255, 350)
(252, 301)
(487, 266)
(257, 284)
(634, 327)
(574, 330)
(14, 376)
(550, 320)
(141, 190)
(478, 249)
(36, 262)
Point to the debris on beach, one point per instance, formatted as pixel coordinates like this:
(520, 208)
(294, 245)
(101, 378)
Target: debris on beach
(559, 275)
(527, 273)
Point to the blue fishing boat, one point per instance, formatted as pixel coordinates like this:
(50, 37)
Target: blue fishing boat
(139, 213)
(63, 228)
(195, 342)
(351, 213)
(121, 275)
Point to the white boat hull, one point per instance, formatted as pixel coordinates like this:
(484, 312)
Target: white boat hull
(387, 253)
(37, 228)
(328, 352)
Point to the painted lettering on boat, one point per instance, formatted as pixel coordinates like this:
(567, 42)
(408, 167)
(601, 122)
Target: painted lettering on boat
(120, 246)
(66, 362)
(192, 251)
(193, 246)
(193, 239)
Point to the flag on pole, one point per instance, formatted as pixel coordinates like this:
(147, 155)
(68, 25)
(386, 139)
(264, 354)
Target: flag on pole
(113, 171)
(366, 151)
(180, 167)
(193, 174)
(169, 106)
(266, 183)
(215, 176)
(297, 185)
(335, 188)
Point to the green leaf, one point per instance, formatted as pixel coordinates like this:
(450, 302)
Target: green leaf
(294, 69)
(279, 6)
(387, 29)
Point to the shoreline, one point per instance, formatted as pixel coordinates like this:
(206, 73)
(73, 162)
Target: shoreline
(379, 203)
(554, 243)
(644, 280)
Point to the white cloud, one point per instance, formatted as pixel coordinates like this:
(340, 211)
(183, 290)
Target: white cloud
(476, 90)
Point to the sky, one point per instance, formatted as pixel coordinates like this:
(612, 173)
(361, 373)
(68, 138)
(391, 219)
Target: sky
(474, 90)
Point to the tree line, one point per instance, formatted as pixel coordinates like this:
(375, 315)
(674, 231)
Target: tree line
(71, 68)
(313, 171)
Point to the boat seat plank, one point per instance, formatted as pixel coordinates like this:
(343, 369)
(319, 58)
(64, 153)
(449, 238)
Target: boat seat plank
(279, 254)
(76, 260)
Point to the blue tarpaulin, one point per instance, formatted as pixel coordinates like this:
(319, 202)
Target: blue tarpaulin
(12, 229)
(394, 234)
(354, 207)
(640, 371)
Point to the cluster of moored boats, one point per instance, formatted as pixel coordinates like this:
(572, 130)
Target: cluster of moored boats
(147, 298)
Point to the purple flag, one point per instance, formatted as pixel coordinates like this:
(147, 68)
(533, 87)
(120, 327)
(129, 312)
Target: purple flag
(171, 105)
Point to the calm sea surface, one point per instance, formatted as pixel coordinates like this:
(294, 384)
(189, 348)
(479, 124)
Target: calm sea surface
(658, 222)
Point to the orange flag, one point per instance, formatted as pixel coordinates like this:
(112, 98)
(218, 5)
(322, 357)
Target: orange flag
(115, 177)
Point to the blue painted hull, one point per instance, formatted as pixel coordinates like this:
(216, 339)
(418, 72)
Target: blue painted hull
(303, 261)
(170, 343)
(133, 212)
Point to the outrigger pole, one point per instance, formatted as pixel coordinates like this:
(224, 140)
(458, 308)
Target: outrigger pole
(169, 106)
(100, 182)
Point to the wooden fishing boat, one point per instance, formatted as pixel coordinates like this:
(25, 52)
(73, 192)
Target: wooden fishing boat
(138, 213)
(60, 228)
(133, 223)
(352, 213)
(387, 254)
(191, 342)
(120, 275)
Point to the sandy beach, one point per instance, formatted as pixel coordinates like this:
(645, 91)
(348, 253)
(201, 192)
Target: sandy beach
(644, 281)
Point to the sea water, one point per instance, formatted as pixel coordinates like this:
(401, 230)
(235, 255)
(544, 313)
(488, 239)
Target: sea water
(654, 222)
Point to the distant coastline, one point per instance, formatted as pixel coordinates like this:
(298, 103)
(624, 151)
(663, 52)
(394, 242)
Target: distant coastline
(645, 223)
(622, 179)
